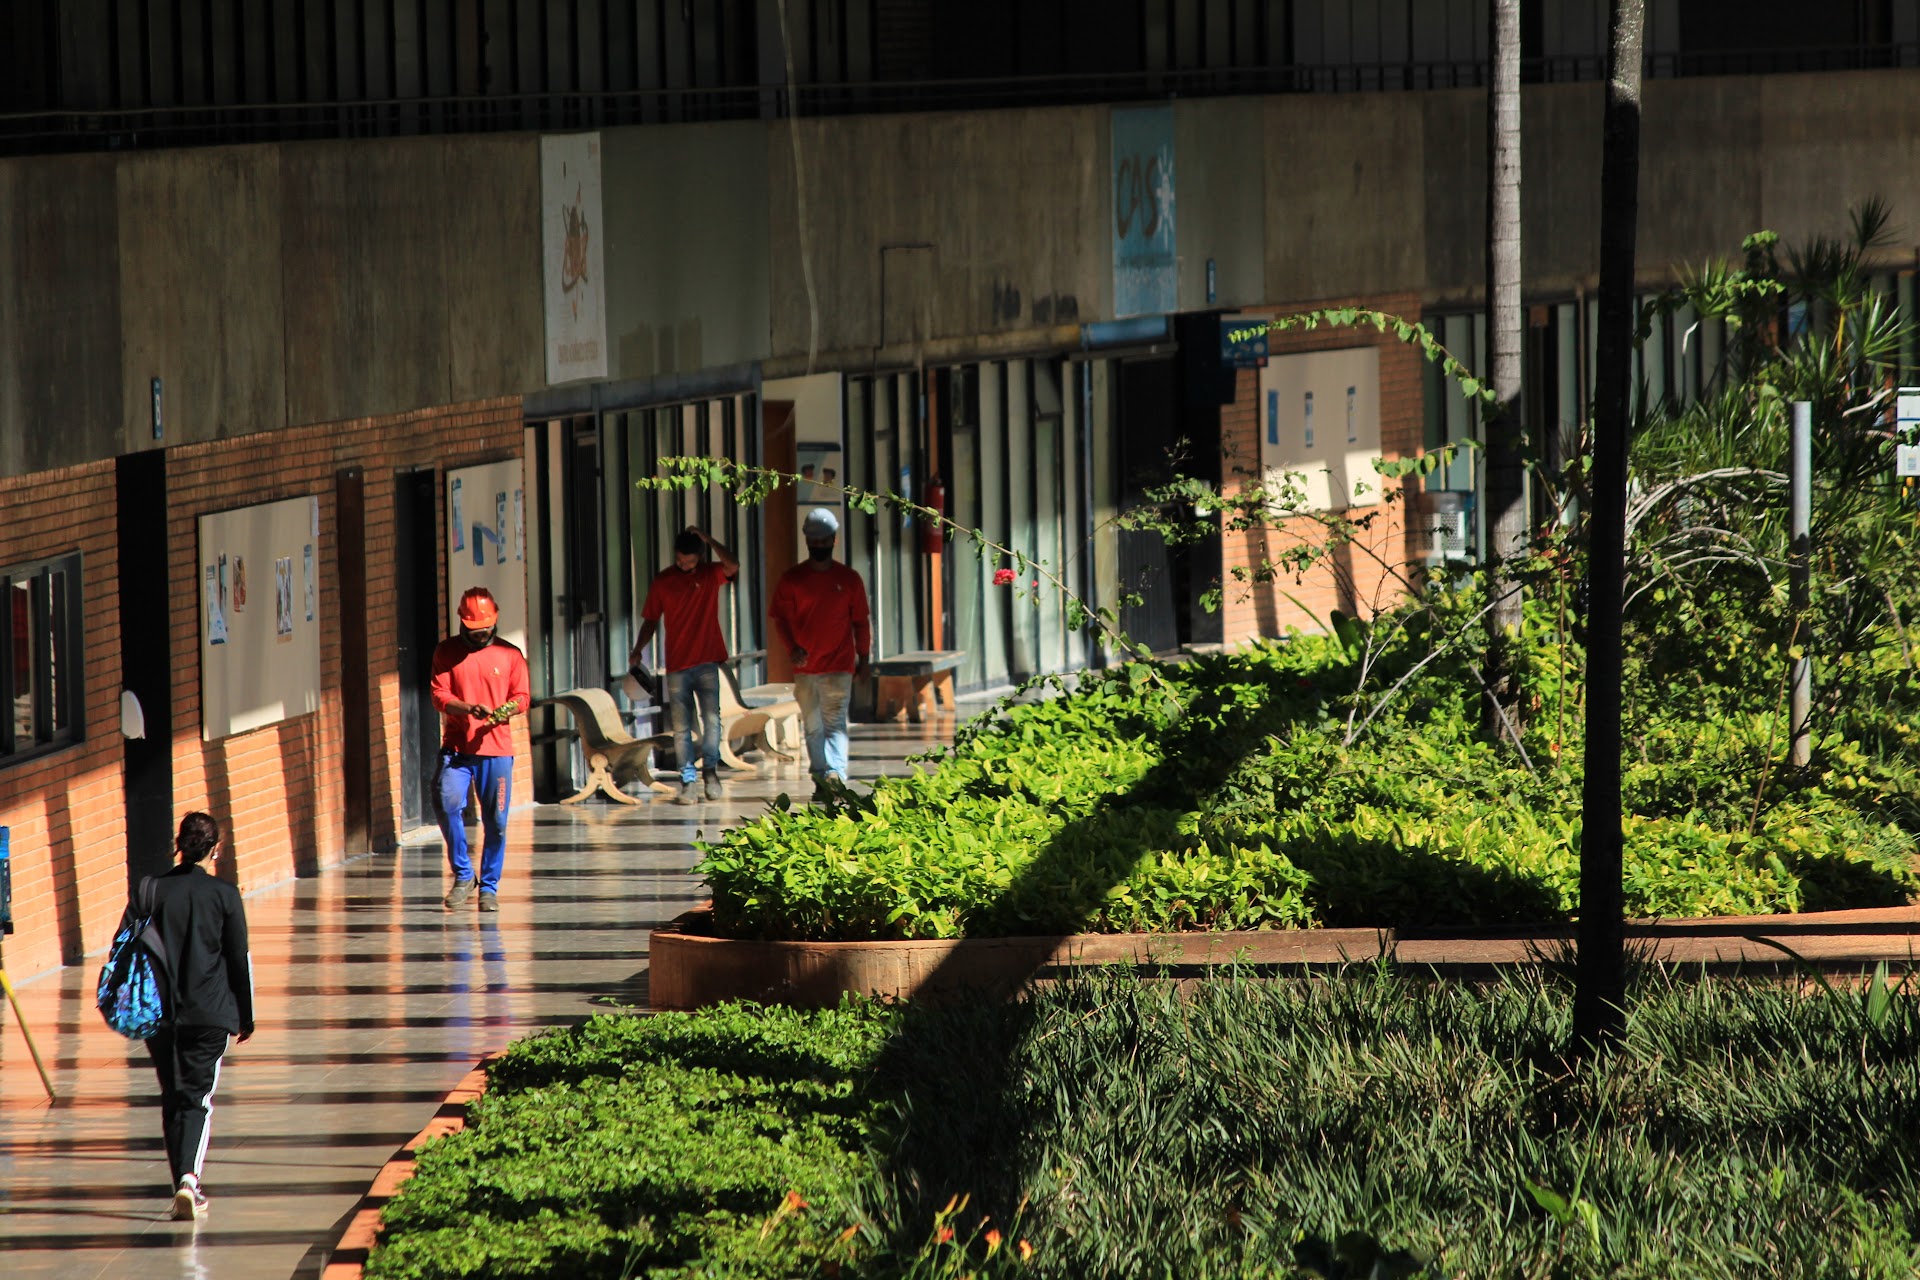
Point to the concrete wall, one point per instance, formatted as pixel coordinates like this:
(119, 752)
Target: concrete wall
(59, 313)
(265, 287)
(685, 211)
(1219, 211)
(203, 307)
(919, 228)
(312, 282)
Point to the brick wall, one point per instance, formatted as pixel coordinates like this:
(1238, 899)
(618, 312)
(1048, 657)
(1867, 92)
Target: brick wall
(278, 791)
(1360, 579)
(66, 809)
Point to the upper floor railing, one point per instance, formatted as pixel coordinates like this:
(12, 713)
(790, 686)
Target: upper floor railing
(224, 123)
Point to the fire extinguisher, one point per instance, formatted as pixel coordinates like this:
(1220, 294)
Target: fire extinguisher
(933, 532)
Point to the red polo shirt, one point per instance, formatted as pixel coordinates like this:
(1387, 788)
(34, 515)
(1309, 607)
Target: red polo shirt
(823, 611)
(485, 677)
(687, 604)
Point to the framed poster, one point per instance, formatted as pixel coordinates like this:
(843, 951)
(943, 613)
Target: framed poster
(1320, 419)
(487, 542)
(259, 665)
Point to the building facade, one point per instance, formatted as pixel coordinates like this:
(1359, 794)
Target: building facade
(380, 300)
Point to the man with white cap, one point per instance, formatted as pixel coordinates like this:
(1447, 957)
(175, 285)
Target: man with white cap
(820, 613)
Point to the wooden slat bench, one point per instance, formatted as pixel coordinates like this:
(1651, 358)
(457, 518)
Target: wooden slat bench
(612, 752)
(916, 681)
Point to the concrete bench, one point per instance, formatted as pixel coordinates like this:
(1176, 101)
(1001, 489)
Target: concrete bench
(915, 680)
(612, 752)
(765, 711)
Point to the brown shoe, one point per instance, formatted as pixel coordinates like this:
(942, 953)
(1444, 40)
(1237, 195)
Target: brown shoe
(488, 902)
(458, 895)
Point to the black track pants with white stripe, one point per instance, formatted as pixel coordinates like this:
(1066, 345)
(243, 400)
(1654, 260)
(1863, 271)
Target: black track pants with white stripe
(187, 1060)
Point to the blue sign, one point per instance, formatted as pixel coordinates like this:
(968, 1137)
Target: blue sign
(1243, 342)
(1146, 272)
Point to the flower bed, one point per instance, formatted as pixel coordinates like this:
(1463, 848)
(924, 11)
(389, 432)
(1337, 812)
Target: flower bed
(1222, 795)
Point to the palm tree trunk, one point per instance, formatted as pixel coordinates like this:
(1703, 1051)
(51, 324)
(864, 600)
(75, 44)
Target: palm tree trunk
(1599, 1006)
(1506, 476)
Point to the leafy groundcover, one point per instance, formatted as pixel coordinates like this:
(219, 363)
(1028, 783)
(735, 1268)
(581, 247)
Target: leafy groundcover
(1235, 792)
(1360, 1123)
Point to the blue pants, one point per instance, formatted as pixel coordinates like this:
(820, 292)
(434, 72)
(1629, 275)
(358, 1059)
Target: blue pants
(694, 693)
(493, 775)
(823, 718)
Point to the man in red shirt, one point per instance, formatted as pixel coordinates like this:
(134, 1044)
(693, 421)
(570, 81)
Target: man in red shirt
(685, 595)
(479, 684)
(820, 613)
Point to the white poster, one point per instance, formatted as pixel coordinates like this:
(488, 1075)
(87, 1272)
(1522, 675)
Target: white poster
(494, 513)
(573, 239)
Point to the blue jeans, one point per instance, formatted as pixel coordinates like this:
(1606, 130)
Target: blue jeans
(695, 692)
(823, 718)
(493, 776)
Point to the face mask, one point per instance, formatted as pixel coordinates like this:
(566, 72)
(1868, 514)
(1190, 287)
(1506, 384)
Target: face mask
(819, 554)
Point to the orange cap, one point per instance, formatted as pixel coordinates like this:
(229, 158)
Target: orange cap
(478, 610)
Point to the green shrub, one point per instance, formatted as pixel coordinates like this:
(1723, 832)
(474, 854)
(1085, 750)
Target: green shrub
(1220, 795)
(1276, 1128)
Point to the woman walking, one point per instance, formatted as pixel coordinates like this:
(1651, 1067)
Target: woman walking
(204, 926)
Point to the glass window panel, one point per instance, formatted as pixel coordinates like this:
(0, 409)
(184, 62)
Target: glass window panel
(1020, 514)
(1072, 518)
(1103, 572)
(995, 668)
(59, 710)
(886, 466)
(971, 580)
(913, 565)
(25, 654)
(1048, 541)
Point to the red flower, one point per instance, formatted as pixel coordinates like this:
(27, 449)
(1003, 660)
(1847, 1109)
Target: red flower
(1003, 577)
(943, 1235)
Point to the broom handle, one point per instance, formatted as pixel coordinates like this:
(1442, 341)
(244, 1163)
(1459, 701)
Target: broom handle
(32, 1048)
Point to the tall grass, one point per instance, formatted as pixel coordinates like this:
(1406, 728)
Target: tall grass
(1356, 1123)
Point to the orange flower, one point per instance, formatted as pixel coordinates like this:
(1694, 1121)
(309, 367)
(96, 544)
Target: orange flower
(793, 1203)
(943, 1235)
(1025, 1250)
(993, 1242)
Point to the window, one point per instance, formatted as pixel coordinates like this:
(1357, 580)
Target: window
(40, 674)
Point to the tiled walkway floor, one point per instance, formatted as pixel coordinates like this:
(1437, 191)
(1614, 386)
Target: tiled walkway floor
(373, 1002)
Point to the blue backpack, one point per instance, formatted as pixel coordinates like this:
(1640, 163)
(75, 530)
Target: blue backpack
(133, 983)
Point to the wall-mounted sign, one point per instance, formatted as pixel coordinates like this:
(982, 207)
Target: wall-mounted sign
(260, 632)
(487, 543)
(1146, 270)
(572, 235)
(1243, 342)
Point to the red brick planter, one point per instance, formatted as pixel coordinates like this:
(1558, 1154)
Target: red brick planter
(689, 968)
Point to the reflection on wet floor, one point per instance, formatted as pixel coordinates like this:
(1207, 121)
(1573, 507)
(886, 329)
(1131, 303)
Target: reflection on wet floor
(374, 1001)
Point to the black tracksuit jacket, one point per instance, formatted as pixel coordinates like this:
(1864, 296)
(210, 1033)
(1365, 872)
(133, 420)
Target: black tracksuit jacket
(204, 926)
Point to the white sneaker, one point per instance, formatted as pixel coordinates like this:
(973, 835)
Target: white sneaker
(189, 1202)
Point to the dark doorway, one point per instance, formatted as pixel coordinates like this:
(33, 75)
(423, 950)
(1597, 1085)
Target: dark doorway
(1149, 423)
(584, 592)
(416, 584)
(356, 712)
(146, 665)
